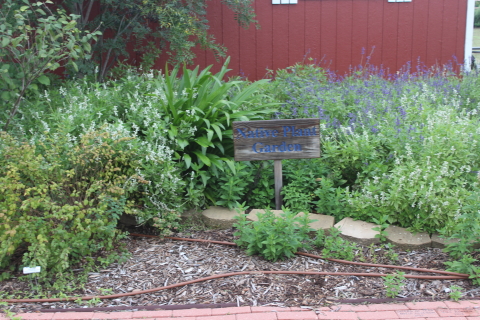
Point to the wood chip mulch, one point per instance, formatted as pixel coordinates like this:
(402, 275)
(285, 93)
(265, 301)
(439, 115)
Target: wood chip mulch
(156, 263)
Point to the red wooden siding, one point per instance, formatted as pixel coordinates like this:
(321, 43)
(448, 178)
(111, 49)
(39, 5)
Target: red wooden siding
(339, 34)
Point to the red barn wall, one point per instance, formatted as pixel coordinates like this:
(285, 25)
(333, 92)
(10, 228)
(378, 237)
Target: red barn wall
(338, 34)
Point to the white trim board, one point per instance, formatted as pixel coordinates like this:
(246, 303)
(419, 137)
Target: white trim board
(469, 34)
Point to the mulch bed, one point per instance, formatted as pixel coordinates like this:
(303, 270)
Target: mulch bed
(158, 262)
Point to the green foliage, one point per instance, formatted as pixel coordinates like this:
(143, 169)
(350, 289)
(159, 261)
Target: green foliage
(418, 175)
(250, 181)
(182, 140)
(61, 202)
(35, 40)
(386, 141)
(273, 237)
(466, 232)
(455, 293)
(382, 226)
(230, 187)
(262, 192)
(331, 197)
(466, 265)
(334, 246)
(199, 108)
(390, 253)
(465, 238)
(173, 26)
(394, 284)
(301, 178)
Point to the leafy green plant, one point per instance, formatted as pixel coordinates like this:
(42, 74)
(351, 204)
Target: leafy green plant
(466, 232)
(291, 83)
(394, 284)
(301, 178)
(465, 265)
(273, 237)
(93, 302)
(464, 238)
(62, 200)
(331, 199)
(382, 225)
(390, 253)
(334, 246)
(373, 253)
(199, 108)
(231, 186)
(11, 315)
(35, 40)
(455, 293)
(261, 193)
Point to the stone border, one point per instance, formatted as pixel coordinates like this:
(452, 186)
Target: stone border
(354, 230)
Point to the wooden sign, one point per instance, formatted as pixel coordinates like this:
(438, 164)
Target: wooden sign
(276, 139)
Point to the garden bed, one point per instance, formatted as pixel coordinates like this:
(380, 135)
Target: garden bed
(156, 263)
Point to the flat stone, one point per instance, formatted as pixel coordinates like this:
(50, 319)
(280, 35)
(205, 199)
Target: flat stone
(323, 222)
(219, 217)
(407, 240)
(358, 231)
(438, 242)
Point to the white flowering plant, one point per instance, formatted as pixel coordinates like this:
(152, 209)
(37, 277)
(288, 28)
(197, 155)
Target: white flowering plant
(405, 145)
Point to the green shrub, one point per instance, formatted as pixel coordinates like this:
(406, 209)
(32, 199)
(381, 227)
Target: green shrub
(418, 173)
(311, 186)
(60, 202)
(273, 237)
(394, 284)
(476, 21)
(465, 238)
(230, 187)
(333, 246)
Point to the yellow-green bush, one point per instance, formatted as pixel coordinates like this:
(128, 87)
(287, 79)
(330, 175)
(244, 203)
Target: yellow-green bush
(60, 201)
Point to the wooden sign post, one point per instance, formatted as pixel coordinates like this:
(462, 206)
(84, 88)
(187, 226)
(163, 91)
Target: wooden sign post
(276, 140)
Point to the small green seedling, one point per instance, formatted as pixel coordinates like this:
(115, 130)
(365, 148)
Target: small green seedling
(394, 284)
(455, 293)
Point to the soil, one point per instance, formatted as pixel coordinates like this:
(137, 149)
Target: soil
(158, 262)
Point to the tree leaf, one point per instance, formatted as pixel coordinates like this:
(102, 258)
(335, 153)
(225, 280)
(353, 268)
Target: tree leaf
(5, 95)
(70, 25)
(5, 41)
(43, 79)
